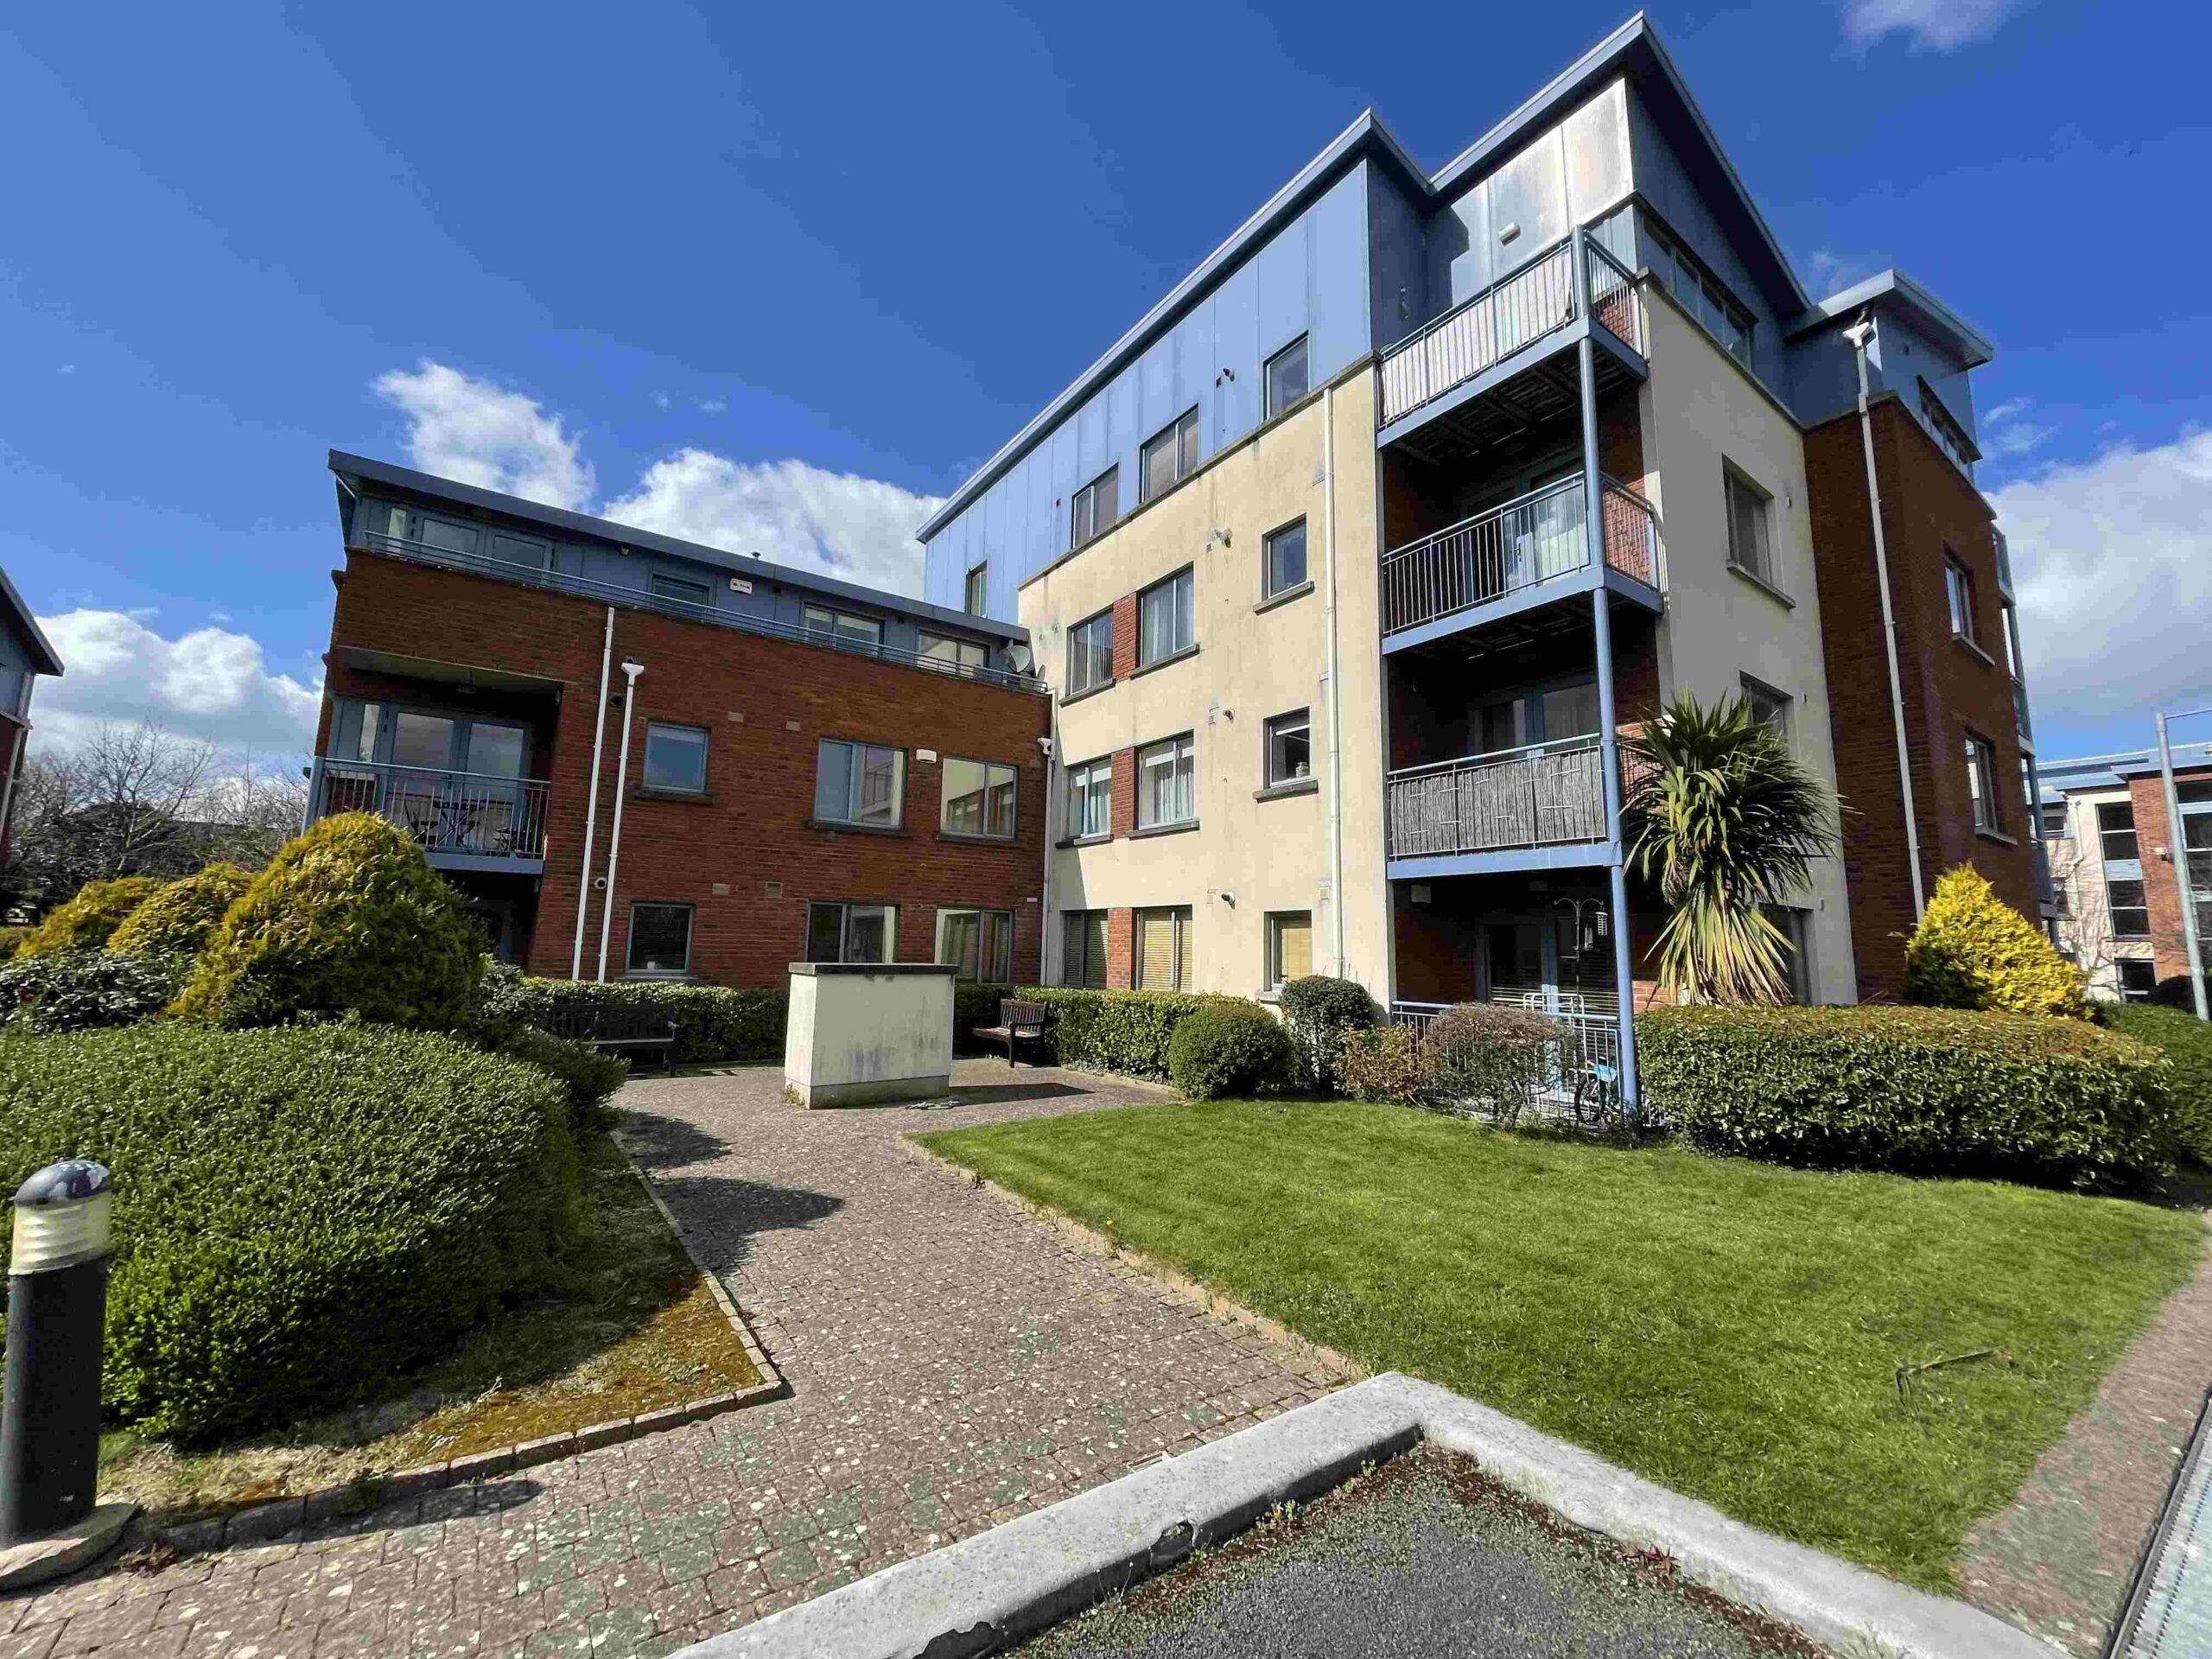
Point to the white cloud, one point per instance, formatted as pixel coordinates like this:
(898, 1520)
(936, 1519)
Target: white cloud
(2008, 431)
(859, 528)
(1935, 25)
(211, 683)
(2112, 560)
(1829, 272)
(476, 433)
(712, 405)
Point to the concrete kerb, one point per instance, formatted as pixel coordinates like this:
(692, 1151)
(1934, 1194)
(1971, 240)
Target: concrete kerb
(999, 1585)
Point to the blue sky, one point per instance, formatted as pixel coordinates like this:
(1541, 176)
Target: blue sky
(776, 276)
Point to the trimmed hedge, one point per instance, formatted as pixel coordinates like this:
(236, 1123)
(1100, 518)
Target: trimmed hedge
(300, 1213)
(180, 918)
(2186, 1041)
(713, 1023)
(1317, 1011)
(87, 921)
(1910, 1089)
(1973, 951)
(1127, 1031)
(1230, 1047)
(346, 918)
(12, 936)
(1385, 1063)
(588, 1078)
(83, 990)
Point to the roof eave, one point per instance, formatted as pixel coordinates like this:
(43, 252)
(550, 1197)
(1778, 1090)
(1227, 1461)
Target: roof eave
(1894, 286)
(47, 660)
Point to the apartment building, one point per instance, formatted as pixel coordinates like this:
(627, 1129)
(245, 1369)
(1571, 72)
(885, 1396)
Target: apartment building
(1348, 563)
(641, 758)
(25, 653)
(2118, 868)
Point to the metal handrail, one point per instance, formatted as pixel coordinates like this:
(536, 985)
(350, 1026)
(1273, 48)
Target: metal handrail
(532, 576)
(1480, 332)
(1515, 544)
(479, 814)
(1518, 752)
(1612, 296)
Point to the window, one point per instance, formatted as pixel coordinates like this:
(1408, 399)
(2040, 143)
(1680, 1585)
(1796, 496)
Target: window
(1290, 747)
(1164, 623)
(1090, 799)
(1795, 928)
(1958, 589)
(860, 783)
(2131, 910)
(1769, 707)
(660, 941)
(1091, 653)
(528, 550)
(1097, 504)
(1982, 783)
(496, 751)
(1287, 377)
(683, 587)
(1699, 293)
(1949, 434)
(950, 656)
(2116, 831)
(1164, 948)
(1286, 559)
(2013, 657)
(1748, 548)
(1290, 945)
(850, 932)
(1169, 458)
(675, 758)
(2190, 791)
(2053, 821)
(421, 739)
(977, 598)
(1083, 949)
(2139, 977)
(978, 799)
(1167, 779)
(977, 944)
(407, 524)
(864, 632)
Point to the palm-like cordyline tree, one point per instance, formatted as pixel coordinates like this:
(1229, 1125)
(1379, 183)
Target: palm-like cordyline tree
(1726, 820)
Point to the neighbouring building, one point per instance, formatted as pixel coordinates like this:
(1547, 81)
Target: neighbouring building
(2116, 881)
(25, 653)
(642, 758)
(1349, 561)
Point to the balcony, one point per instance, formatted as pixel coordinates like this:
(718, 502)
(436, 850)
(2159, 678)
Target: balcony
(1524, 551)
(462, 820)
(1507, 326)
(2020, 710)
(1545, 795)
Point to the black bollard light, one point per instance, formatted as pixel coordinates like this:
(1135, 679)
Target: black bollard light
(50, 1406)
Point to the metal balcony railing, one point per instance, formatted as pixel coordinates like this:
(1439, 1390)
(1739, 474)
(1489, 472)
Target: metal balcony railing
(1540, 535)
(2004, 561)
(462, 812)
(1517, 310)
(2020, 709)
(532, 576)
(1541, 796)
(1589, 1045)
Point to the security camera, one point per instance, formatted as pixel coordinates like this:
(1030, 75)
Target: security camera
(1044, 746)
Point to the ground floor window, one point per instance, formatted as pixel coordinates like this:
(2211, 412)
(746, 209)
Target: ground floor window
(2130, 905)
(2139, 977)
(1163, 939)
(1796, 926)
(841, 932)
(1083, 949)
(1290, 945)
(977, 944)
(660, 941)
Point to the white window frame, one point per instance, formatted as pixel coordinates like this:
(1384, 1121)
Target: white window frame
(1182, 591)
(1275, 403)
(1182, 433)
(1182, 752)
(978, 578)
(1268, 586)
(852, 632)
(846, 909)
(1084, 521)
(1958, 596)
(1184, 917)
(1092, 781)
(1981, 783)
(1078, 974)
(1098, 676)
(1769, 707)
(1291, 720)
(1759, 565)
(1274, 921)
(933, 657)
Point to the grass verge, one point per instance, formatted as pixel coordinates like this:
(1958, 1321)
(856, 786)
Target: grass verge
(633, 1328)
(1738, 1332)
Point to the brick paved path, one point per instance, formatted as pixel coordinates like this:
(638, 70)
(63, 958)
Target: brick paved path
(950, 1364)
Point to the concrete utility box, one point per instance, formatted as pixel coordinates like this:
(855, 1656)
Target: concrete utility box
(861, 1033)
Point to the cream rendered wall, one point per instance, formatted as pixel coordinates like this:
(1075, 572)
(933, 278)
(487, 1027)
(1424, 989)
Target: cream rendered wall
(1699, 408)
(1249, 857)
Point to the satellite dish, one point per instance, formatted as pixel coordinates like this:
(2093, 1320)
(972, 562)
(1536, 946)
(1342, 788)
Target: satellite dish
(1021, 656)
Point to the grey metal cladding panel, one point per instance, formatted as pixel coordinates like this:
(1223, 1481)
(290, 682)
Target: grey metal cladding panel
(1285, 283)
(1463, 255)
(1596, 148)
(1398, 279)
(1156, 404)
(1195, 364)
(1529, 191)
(1336, 320)
(1236, 343)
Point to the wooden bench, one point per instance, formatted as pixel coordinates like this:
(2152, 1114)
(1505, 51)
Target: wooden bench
(617, 1030)
(1017, 1019)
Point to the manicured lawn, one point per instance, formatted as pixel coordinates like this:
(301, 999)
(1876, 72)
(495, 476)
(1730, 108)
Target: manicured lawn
(1732, 1330)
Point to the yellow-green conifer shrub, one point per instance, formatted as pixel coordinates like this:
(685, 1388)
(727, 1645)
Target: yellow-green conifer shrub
(179, 921)
(87, 921)
(1973, 951)
(347, 918)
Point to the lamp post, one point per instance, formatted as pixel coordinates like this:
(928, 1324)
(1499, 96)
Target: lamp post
(50, 1403)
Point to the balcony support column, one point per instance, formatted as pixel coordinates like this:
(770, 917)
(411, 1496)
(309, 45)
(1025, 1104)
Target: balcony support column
(1601, 625)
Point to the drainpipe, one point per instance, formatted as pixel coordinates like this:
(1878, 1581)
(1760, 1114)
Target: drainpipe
(591, 803)
(629, 672)
(2177, 844)
(1858, 334)
(1336, 700)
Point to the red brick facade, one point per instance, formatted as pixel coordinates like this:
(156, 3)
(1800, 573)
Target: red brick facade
(1125, 636)
(1121, 948)
(2159, 847)
(1928, 508)
(1121, 808)
(747, 856)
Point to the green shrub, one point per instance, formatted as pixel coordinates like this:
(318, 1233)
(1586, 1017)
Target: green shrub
(1487, 1058)
(180, 918)
(2186, 1041)
(714, 1024)
(2172, 992)
(588, 1077)
(1318, 1011)
(82, 990)
(300, 1213)
(13, 935)
(1910, 1089)
(1973, 951)
(1127, 1031)
(346, 918)
(1385, 1063)
(1230, 1047)
(85, 921)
